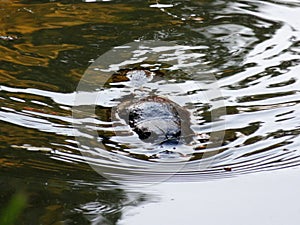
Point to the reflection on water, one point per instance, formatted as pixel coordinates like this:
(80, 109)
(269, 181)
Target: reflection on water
(251, 48)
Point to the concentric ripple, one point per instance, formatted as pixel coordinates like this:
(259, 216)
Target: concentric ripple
(234, 66)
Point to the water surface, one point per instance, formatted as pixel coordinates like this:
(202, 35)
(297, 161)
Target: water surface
(251, 48)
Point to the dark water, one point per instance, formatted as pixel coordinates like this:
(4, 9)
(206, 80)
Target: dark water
(247, 51)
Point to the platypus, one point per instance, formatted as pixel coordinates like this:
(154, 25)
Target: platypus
(155, 119)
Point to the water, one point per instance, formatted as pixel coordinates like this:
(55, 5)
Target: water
(242, 56)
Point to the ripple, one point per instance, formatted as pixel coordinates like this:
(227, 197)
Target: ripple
(250, 48)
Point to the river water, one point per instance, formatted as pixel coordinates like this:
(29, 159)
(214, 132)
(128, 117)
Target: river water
(233, 65)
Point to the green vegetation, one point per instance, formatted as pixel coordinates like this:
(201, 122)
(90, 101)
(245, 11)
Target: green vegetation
(11, 212)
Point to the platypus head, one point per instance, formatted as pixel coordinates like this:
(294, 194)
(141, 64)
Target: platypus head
(155, 120)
